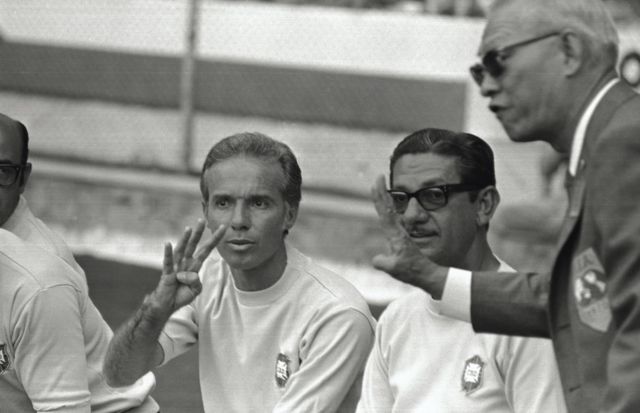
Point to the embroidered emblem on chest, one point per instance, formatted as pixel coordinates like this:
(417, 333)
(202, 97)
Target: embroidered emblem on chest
(472, 374)
(282, 370)
(590, 291)
(4, 359)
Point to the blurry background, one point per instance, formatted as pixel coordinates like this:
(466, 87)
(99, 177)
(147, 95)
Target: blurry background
(123, 99)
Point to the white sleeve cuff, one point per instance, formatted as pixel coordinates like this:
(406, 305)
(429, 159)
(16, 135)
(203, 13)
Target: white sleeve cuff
(456, 297)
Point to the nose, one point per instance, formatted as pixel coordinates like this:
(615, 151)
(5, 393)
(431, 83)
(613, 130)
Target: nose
(240, 219)
(489, 85)
(414, 213)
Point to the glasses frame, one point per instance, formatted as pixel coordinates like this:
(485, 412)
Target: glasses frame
(446, 190)
(19, 168)
(493, 61)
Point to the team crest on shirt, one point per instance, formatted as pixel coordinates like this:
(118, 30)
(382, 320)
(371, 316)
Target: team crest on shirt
(282, 370)
(4, 359)
(590, 291)
(472, 374)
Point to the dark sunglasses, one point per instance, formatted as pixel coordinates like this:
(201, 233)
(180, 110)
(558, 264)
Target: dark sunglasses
(429, 198)
(493, 60)
(9, 173)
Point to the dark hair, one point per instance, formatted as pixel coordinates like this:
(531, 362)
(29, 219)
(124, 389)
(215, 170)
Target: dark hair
(25, 142)
(260, 146)
(474, 157)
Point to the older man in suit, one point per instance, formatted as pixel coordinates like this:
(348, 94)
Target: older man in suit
(548, 68)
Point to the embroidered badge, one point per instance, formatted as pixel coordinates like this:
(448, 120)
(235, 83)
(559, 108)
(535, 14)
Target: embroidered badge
(472, 374)
(282, 370)
(590, 291)
(4, 359)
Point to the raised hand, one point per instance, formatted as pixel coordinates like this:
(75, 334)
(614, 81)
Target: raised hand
(179, 284)
(404, 261)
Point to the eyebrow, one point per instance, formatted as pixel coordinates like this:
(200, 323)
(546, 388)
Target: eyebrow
(248, 196)
(423, 184)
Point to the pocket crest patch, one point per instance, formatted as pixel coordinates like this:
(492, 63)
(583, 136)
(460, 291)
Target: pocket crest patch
(472, 374)
(590, 291)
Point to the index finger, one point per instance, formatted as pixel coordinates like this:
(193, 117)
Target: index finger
(208, 246)
(194, 239)
(389, 218)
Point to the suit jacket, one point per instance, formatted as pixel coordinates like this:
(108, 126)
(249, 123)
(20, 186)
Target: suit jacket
(589, 304)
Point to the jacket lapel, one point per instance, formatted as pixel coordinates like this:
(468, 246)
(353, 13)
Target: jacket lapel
(576, 186)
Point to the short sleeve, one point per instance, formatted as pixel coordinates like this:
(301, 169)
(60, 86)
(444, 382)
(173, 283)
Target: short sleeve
(532, 381)
(180, 333)
(332, 364)
(376, 391)
(50, 359)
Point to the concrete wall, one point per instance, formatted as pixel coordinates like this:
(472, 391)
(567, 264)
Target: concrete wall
(364, 69)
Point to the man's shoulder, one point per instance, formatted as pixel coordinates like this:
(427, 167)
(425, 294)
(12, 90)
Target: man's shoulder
(25, 225)
(625, 106)
(321, 287)
(410, 304)
(30, 266)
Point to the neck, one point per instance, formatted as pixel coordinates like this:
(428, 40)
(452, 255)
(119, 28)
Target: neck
(480, 257)
(263, 276)
(580, 98)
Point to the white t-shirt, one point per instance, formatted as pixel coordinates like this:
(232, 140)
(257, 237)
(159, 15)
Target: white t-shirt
(297, 346)
(423, 361)
(39, 336)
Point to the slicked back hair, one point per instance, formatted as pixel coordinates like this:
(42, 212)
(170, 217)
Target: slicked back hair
(474, 157)
(259, 146)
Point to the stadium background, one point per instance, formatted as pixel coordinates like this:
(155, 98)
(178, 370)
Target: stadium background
(98, 85)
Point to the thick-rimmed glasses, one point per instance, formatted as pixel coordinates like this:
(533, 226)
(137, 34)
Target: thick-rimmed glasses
(9, 173)
(493, 60)
(429, 198)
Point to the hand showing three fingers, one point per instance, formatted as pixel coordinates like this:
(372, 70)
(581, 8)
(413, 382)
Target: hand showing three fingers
(404, 262)
(179, 284)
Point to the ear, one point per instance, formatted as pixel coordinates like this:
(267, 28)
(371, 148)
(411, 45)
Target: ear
(574, 51)
(487, 202)
(291, 214)
(24, 178)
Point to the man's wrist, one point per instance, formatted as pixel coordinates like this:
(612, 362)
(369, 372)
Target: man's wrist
(432, 279)
(155, 310)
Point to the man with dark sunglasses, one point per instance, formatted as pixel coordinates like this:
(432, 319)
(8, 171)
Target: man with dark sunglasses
(52, 337)
(443, 189)
(549, 70)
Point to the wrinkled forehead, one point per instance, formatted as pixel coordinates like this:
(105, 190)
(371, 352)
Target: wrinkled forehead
(511, 24)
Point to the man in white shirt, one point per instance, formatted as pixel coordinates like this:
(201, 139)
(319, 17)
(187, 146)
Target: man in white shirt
(549, 70)
(443, 187)
(53, 339)
(274, 331)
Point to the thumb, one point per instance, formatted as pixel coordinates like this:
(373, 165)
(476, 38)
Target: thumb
(384, 262)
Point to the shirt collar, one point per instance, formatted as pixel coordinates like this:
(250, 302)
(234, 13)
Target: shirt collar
(578, 137)
(17, 216)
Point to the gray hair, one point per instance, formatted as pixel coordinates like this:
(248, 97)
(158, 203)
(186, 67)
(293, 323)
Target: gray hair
(590, 19)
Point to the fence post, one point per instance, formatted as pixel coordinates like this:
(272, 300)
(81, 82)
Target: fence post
(187, 80)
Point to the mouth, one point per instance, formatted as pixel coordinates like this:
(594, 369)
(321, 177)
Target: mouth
(420, 237)
(240, 244)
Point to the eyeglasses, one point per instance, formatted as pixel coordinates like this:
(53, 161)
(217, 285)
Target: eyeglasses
(493, 60)
(9, 173)
(429, 198)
